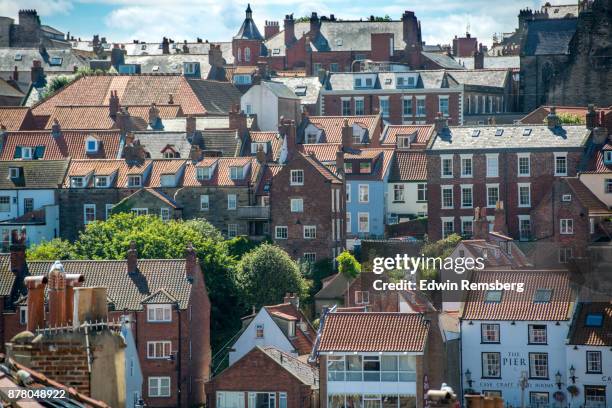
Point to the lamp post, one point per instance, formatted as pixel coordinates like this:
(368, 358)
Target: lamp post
(523, 383)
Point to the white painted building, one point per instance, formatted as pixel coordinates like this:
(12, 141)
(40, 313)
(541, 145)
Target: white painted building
(270, 100)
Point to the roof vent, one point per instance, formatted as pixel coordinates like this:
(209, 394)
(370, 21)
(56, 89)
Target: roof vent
(475, 132)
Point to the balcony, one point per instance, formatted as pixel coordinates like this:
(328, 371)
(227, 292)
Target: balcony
(255, 212)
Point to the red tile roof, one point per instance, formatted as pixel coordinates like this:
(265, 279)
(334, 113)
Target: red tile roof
(118, 168)
(15, 118)
(589, 200)
(332, 126)
(324, 170)
(222, 173)
(423, 134)
(372, 332)
(597, 164)
(325, 152)
(275, 140)
(269, 172)
(582, 334)
(303, 340)
(409, 166)
(516, 305)
(71, 143)
(164, 166)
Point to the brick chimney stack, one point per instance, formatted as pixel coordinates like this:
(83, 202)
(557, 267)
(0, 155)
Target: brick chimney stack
(165, 46)
(287, 129)
(481, 224)
(57, 295)
(479, 58)
(56, 130)
(123, 121)
(552, 120)
(292, 298)
(37, 73)
(237, 120)
(117, 56)
(591, 117)
(499, 223)
(440, 123)
(340, 161)
(190, 126)
(36, 301)
(17, 250)
(113, 105)
(153, 115)
(132, 258)
(271, 29)
(191, 262)
(315, 25)
(347, 136)
(289, 30)
(260, 155)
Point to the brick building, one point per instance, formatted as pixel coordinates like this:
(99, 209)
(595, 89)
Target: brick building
(29, 32)
(247, 44)
(470, 167)
(307, 204)
(465, 46)
(164, 299)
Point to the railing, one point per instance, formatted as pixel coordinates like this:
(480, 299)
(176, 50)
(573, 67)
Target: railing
(372, 376)
(254, 212)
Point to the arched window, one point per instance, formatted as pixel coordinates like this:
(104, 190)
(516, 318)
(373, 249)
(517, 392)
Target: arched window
(247, 54)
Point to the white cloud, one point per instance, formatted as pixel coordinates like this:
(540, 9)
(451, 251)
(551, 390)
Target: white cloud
(10, 8)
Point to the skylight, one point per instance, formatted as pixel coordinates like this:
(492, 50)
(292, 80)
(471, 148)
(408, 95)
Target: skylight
(475, 132)
(542, 295)
(339, 41)
(18, 57)
(594, 320)
(300, 90)
(493, 296)
(526, 131)
(499, 132)
(55, 61)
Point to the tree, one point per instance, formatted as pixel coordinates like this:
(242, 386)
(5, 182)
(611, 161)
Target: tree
(348, 265)
(438, 249)
(56, 249)
(266, 273)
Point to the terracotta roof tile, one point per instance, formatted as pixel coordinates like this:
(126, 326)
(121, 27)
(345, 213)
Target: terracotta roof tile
(71, 143)
(273, 138)
(118, 168)
(325, 152)
(520, 305)
(582, 334)
(371, 332)
(597, 164)
(409, 166)
(325, 171)
(164, 166)
(269, 172)
(589, 200)
(332, 125)
(423, 134)
(14, 117)
(384, 157)
(222, 172)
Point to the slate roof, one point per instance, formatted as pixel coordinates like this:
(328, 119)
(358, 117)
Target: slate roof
(156, 142)
(279, 89)
(226, 141)
(168, 63)
(216, 97)
(69, 60)
(427, 79)
(586, 197)
(494, 256)
(541, 137)
(511, 61)
(581, 334)
(409, 166)
(334, 287)
(312, 84)
(304, 372)
(71, 143)
(7, 90)
(222, 172)
(128, 291)
(373, 332)
(549, 36)
(203, 122)
(356, 35)
(482, 77)
(520, 305)
(34, 174)
(442, 60)
(391, 132)
(248, 29)
(15, 117)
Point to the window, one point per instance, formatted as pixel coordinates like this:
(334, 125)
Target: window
(466, 166)
(101, 181)
(560, 164)
(567, 226)
(282, 396)
(608, 157)
(595, 396)
(359, 106)
(262, 400)
(593, 362)
(348, 221)
(14, 172)
(316, 67)
(348, 193)
(467, 227)
(247, 54)
(538, 365)
(236, 173)
(89, 213)
(398, 193)
(159, 313)
(243, 79)
(164, 213)
(421, 111)
(447, 197)
(232, 230)
(55, 61)
(384, 107)
(159, 387)
(489, 333)
(443, 105)
(566, 197)
(158, 349)
(492, 195)
(526, 132)
(281, 232)
(365, 167)
(371, 368)
(524, 227)
(403, 142)
(538, 399)
(594, 320)
(310, 257)
(448, 226)
(348, 167)
(492, 165)
(499, 132)
(524, 191)
(297, 205)
(565, 255)
(231, 201)
(524, 165)
(362, 297)
(203, 173)
(77, 182)
(204, 203)
(230, 399)
(346, 107)
(5, 203)
(134, 181)
(407, 107)
(493, 296)
(107, 211)
(23, 315)
(310, 231)
(364, 193)
(364, 222)
(447, 166)
(27, 153)
(259, 331)
(537, 334)
(28, 205)
(297, 177)
(466, 197)
(491, 365)
(91, 146)
(422, 192)
(190, 68)
(310, 138)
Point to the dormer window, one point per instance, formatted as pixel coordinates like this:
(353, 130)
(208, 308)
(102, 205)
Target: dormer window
(190, 68)
(358, 83)
(204, 173)
(291, 329)
(170, 154)
(300, 90)
(167, 180)
(14, 172)
(594, 320)
(348, 167)
(77, 182)
(91, 145)
(135, 181)
(526, 131)
(356, 137)
(311, 138)
(27, 153)
(542, 296)
(493, 296)
(236, 173)
(101, 181)
(608, 157)
(256, 145)
(365, 167)
(499, 132)
(403, 142)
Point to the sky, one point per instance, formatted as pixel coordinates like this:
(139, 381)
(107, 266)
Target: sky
(219, 20)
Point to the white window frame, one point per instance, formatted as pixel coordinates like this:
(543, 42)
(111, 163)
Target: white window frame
(95, 145)
(236, 172)
(98, 181)
(383, 101)
(470, 188)
(518, 164)
(566, 226)
(164, 213)
(445, 112)
(139, 211)
(203, 173)
(519, 187)
(232, 201)
(464, 159)
(280, 228)
(77, 182)
(204, 202)
(442, 205)
(348, 192)
(362, 297)
(152, 346)
(362, 103)
(107, 210)
(296, 177)
(232, 230)
(164, 309)
(364, 193)
(399, 193)
(444, 157)
(559, 155)
(5, 203)
(348, 222)
(132, 180)
(344, 103)
(492, 186)
(297, 205)
(155, 383)
(310, 232)
(420, 102)
(492, 158)
(87, 207)
(522, 218)
(447, 220)
(366, 215)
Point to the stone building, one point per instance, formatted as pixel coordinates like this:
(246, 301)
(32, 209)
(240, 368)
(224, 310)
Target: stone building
(29, 32)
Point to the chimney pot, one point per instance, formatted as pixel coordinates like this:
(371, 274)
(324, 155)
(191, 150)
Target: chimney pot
(57, 295)
(17, 250)
(36, 301)
(552, 119)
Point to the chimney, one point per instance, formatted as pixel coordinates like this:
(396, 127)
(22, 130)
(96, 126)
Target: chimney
(552, 120)
(15, 74)
(271, 29)
(89, 305)
(36, 301)
(315, 25)
(56, 130)
(195, 153)
(170, 99)
(73, 280)
(289, 30)
(153, 116)
(117, 56)
(479, 58)
(123, 121)
(591, 116)
(191, 262)
(347, 135)
(499, 224)
(292, 298)
(185, 47)
(190, 126)
(215, 56)
(287, 129)
(261, 155)
(38, 73)
(132, 258)
(340, 161)
(17, 250)
(480, 228)
(57, 295)
(440, 123)
(165, 46)
(237, 120)
(113, 105)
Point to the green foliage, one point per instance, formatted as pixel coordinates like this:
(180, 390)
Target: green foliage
(51, 250)
(379, 19)
(303, 19)
(265, 274)
(571, 119)
(439, 249)
(61, 81)
(239, 246)
(348, 265)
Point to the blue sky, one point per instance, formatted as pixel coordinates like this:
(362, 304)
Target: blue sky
(218, 20)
